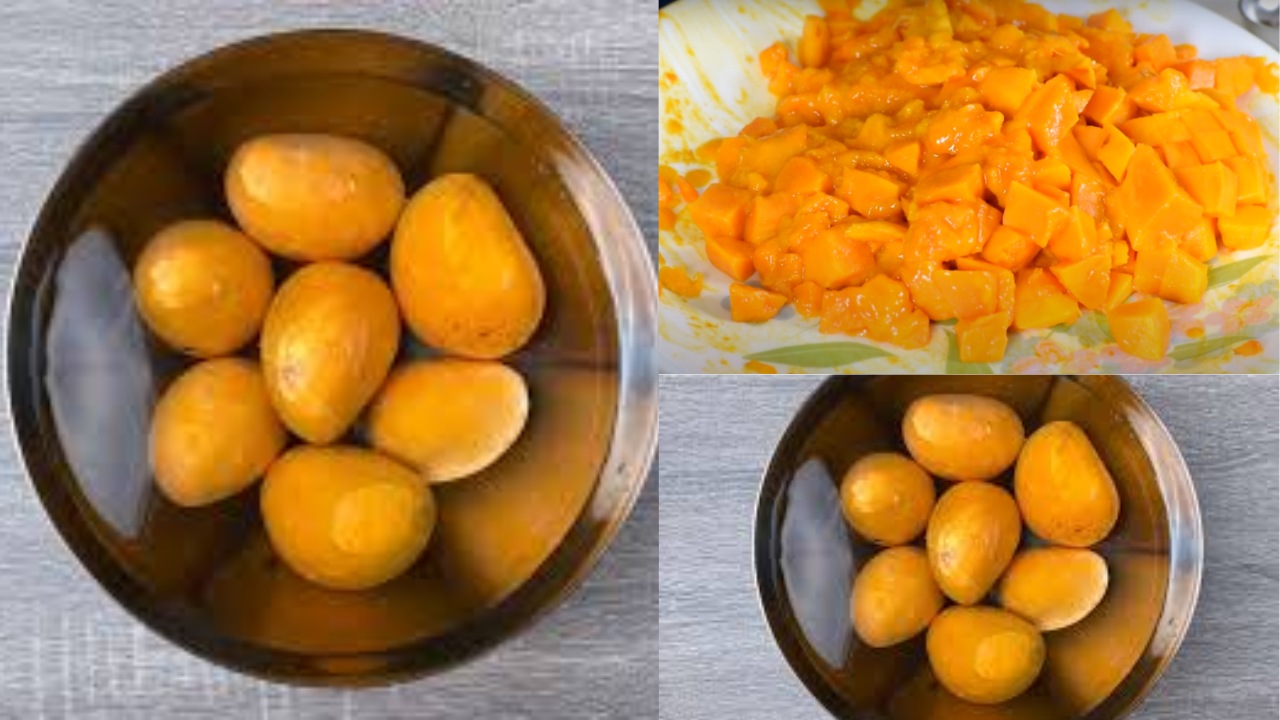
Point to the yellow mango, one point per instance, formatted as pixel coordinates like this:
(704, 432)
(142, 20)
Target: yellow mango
(466, 281)
(972, 536)
(213, 432)
(1064, 490)
(314, 197)
(327, 344)
(449, 418)
(894, 597)
(344, 517)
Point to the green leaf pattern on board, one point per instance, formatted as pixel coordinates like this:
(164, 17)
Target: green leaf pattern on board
(820, 355)
(954, 364)
(1229, 273)
(1200, 348)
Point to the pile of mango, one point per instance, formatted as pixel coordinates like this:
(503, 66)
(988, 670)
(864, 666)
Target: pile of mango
(985, 161)
(1062, 491)
(327, 341)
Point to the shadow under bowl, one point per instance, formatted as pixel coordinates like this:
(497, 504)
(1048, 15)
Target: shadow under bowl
(83, 374)
(806, 556)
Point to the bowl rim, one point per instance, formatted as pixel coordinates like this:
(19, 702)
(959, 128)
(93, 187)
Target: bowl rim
(1182, 588)
(625, 265)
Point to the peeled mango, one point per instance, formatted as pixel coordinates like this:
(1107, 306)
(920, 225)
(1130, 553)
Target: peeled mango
(1066, 495)
(327, 344)
(449, 418)
(465, 278)
(213, 432)
(972, 536)
(345, 517)
(314, 197)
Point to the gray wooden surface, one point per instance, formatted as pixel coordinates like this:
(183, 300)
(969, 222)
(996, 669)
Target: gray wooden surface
(718, 660)
(66, 651)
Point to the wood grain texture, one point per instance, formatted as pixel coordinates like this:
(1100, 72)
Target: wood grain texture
(718, 660)
(66, 650)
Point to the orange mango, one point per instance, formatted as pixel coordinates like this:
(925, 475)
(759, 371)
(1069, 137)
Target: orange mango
(731, 257)
(721, 211)
(750, 304)
(1141, 328)
(1247, 229)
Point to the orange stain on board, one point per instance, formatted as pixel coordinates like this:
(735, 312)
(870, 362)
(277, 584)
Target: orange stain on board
(1249, 349)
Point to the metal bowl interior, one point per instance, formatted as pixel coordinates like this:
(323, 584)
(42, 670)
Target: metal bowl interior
(82, 373)
(1102, 667)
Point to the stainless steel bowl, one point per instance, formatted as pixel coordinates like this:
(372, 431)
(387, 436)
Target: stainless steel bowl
(82, 374)
(1100, 668)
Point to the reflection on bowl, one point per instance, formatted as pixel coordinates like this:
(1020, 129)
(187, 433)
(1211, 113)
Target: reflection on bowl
(806, 557)
(83, 374)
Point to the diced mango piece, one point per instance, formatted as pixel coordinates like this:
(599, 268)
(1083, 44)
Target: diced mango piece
(1184, 279)
(678, 281)
(801, 175)
(1141, 328)
(1006, 286)
(1158, 129)
(1119, 290)
(1115, 152)
(1251, 186)
(871, 196)
(1150, 205)
(904, 156)
(772, 58)
(1109, 20)
(769, 154)
(982, 339)
(1087, 280)
(1090, 139)
(807, 297)
(1213, 145)
(1051, 172)
(1077, 239)
(1009, 248)
(1201, 241)
(948, 230)
(728, 156)
(767, 216)
(875, 232)
(958, 129)
(721, 210)
(881, 310)
(833, 207)
(1213, 186)
(1110, 106)
(753, 305)
(955, 184)
(834, 261)
(1180, 154)
(1200, 73)
(1033, 213)
(1042, 301)
(1247, 229)
(731, 257)
(1157, 51)
(1049, 112)
(1006, 88)
(1088, 193)
(1119, 253)
(815, 42)
(1233, 76)
(1148, 269)
(1162, 93)
(968, 293)
(889, 258)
